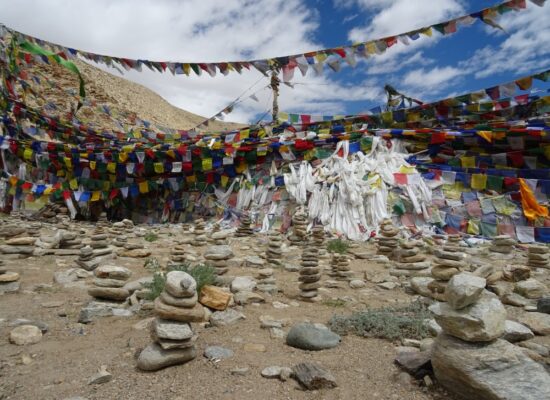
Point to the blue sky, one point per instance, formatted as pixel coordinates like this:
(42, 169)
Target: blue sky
(210, 30)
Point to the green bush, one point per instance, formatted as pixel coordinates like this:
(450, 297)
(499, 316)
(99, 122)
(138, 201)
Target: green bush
(337, 246)
(152, 264)
(334, 302)
(151, 237)
(388, 322)
(202, 273)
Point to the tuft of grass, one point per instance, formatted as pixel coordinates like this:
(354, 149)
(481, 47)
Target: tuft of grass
(202, 273)
(334, 302)
(151, 237)
(337, 246)
(152, 264)
(391, 323)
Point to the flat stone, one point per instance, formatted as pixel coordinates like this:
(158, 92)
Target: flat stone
(480, 322)
(515, 332)
(112, 272)
(8, 277)
(172, 330)
(243, 298)
(215, 298)
(444, 273)
(166, 311)
(21, 241)
(357, 284)
(531, 289)
(464, 289)
(514, 299)
(136, 253)
(25, 334)
(243, 284)
(416, 363)
(102, 376)
(307, 336)
(214, 353)
(27, 250)
(109, 293)
(537, 322)
(154, 357)
(12, 287)
(23, 321)
(225, 318)
(313, 376)
(420, 285)
(218, 252)
(106, 282)
(480, 371)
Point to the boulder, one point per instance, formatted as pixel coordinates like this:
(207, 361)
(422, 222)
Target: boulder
(215, 298)
(25, 334)
(543, 305)
(180, 284)
(307, 336)
(479, 322)
(537, 322)
(154, 357)
(516, 332)
(481, 371)
(531, 289)
(464, 289)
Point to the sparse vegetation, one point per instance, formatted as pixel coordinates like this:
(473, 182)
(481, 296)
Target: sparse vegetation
(152, 264)
(337, 246)
(389, 323)
(151, 237)
(202, 273)
(334, 302)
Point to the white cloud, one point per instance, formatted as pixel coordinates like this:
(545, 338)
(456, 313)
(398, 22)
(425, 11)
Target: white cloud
(432, 81)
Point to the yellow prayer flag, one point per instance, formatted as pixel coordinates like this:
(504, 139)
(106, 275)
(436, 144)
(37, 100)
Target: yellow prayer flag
(68, 161)
(407, 170)
(473, 227)
(479, 181)
(159, 168)
(240, 168)
(487, 135)
(427, 31)
(73, 184)
(371, 48)
(96, 196)
(143, 187)
(92, 165)
(122, 156)
(224, 180)
(191, 178)
(27, 154)
(468, 162)
(206, 164)
(60, 173)
(106, 185)
(111, 167)
(245, 134)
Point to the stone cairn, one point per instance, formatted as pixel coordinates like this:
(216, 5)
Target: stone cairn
(448, 262)
(274, 252)
(120, 240)
(199, 238)
(217, 257)
(318, 239)
(108, 283)
(388, 239)
(9, 281)
(117, 229)
(34, 229)
(177, 255)
(102, 221)
(538, 256)
(266, 281)
(502, 244)
(309, 275)
(215, 229)
(98, 240)
(299, 229)
(410, 261)
(340, 269)
(128, 225)
(173, 337)
(96, 252)
(244, 228)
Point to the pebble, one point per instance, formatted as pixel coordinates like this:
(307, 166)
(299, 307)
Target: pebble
(102, 376)
(307, 336)
(25, 334)
(215, 353)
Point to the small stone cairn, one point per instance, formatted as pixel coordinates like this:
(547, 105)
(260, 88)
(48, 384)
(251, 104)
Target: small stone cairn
(388, 239)
(108, 283)
(120, 240)
(448, 262)
(98, 250)
(98, 240)
(266, 281)
(538, 256)
(410, 260)
(503, 244)
(177, 255)
(128, 225)
(173, 337)
(340, 269)
(217, 257)
(9, 281)
(299, 229)
(318, 239)
(309, 275)
(199, 238)
(244, 228)
(274, 251)
(117, 229)
(215, 229)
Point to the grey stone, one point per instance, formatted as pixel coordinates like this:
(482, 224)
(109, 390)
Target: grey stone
(112, 272)
(180, 284)
(217, 353)
(464, 289)
(11, 287)
(307, 336)
(154, 357)
(95, 309)
(219, 252)
(480, 371)
(25, 334)
(23, 321)
(102, 376)
(420, 286)
(516, 332)
(243, 298)
(531, 288)
(227, 317)
(243, 284)
(543, 305)
(172, 330)
(537, 322)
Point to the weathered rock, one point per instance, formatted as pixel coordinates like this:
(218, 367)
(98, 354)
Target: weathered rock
(135, 253)
(217, 353)
(307, 336)
(313, 376)
(537, 322)
(479, 322)
(515, 332)
(180, 284)
(154, 357)
(171, 330)
(543, 305)
(11, 287)
(227, 317)
(531, 289)
(482, 371)
(220, 252)
(102, 376)
(8, 277)
(420, 285)
(112, 272)
(215, 298)
(185, 302)
(464, 289)
(243, 298)
(25, 334)
(243, 284)
(166, 311)
(118, 294)
(416, 363)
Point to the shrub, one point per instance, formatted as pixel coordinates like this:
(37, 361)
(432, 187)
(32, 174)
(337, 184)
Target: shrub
(152, 264)
(337, 246)
(334, 302)
(202, 273)
(151, 237)
(388, 322)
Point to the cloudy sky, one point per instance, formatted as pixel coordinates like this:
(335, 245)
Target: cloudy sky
(213, 30)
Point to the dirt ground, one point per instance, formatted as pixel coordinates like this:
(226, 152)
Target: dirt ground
(61, 364)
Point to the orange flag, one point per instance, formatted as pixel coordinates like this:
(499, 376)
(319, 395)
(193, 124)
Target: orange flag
(531, 208)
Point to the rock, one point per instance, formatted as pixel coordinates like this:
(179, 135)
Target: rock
(166, 311)
(543, 305)
(153, 357)
(25, 334)
(481, 371)
(274, 372)
(515, 332)
(464, 289)
(172, 330)
(227, 317)
(388, 285)
(112, 272)
(240, 371)
(426, 344)
(538, 348)
(220, 252)
(420, 286)
(214, 353)
(433, 327)
(307, 336)
(243, 298)
(514, 299)
(357, 284)
(8, 277)
(102, 376)
(109, 293)
(215, 298)
(26, 250)
(11, 287)
(416, 363)
(531, 289)
(95, 309)
(479, 322)
(23, 321)
(243, 284)
(254, 262)
(180, 284)
(537, 322)
(313, 376)
(135, 253)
